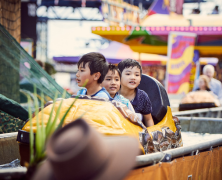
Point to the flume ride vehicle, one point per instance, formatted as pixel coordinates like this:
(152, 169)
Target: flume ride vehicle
(165, 157)
(110, 118)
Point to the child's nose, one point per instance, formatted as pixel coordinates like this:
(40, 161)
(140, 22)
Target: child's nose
(133, 76)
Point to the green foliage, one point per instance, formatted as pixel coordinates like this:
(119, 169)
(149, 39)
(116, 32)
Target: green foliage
(31, 135)
(50, 116)
(53, 125)
(44, 132)
(38, 137)
(64, 116)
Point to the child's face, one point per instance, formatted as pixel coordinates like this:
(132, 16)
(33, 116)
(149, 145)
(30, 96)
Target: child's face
(131, 77)
(83, 75)
(112, 82)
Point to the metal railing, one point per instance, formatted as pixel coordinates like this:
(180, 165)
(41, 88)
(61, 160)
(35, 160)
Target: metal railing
(149, 159)
(201, 124)
(208, 112)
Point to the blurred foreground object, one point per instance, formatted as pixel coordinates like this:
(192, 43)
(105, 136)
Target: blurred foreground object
(78, 152)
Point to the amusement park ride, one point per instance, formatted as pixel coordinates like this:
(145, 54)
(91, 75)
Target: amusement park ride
(163, 155)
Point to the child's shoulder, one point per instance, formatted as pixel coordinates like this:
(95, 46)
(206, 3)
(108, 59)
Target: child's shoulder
(124, 99)
(142, 96)
(141, 93)
(82, 91)
(103, 93)
(143, 103)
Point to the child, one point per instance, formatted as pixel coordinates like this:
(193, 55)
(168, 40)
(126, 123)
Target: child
(112, 84)
(92, 67)
(131, 72)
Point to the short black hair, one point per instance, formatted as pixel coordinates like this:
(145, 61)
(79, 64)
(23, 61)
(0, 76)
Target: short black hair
(96, 62)
(114, 68)
(129, 63)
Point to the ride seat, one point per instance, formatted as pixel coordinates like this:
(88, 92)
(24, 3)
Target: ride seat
(158, 97)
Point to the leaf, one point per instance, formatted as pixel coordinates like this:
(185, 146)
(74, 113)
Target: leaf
(64, 116)
(43, 133)
(53, 126)
(31, 135)
(84, 113)
(50, 116)
(43, 127)
(38, 143)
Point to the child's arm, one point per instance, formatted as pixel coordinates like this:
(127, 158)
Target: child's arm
(148, 120)
(130, 107)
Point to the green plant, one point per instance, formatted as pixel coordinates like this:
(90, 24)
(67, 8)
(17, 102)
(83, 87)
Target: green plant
(37, 152)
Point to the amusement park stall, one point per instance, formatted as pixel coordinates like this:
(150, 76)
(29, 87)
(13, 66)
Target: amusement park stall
(152, 64)
(115, 53)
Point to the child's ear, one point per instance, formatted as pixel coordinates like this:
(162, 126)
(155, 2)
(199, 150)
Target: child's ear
(97, 76)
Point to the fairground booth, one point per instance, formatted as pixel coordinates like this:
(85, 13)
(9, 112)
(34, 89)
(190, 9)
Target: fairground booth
(152, 64)
(151, 34)
(146, 39)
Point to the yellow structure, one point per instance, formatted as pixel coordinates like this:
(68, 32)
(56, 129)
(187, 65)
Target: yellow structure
(103, 116)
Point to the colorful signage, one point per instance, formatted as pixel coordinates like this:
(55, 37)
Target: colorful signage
(118, 12)
(159, 7)
(195, 66)
(166, 6)
(176, 6)
(180, 58)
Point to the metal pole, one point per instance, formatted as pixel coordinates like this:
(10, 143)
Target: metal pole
(198, 5)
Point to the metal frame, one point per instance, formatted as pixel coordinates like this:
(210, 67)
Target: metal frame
(201, 124)
(42, 24)
(42, 40)
(208, 112)
(93, 15)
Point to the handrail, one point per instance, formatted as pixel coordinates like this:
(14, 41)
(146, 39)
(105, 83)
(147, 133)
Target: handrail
(149, 159)
(201, 124)
(207, 112)
(6, 135)
(199, 119)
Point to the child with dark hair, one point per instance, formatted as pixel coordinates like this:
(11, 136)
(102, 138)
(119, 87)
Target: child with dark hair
(92, 67)
(131, 72)
(112, 84)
